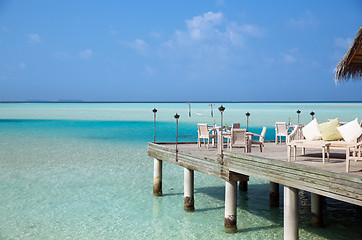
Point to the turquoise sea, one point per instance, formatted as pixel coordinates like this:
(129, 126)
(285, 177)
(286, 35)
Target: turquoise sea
(81, 171)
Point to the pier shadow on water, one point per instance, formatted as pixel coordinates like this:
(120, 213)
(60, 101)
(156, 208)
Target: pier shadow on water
(341, 220)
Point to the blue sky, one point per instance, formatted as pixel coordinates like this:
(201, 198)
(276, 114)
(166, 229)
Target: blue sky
(176, 50)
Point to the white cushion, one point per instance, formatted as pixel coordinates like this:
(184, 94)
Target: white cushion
(311, 132)
(350, 131)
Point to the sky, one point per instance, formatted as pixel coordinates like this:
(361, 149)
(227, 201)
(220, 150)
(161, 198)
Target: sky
(161, 50)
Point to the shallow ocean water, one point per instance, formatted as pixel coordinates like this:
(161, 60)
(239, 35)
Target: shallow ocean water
(68, 172)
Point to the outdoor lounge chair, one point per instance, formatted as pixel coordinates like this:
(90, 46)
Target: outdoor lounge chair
(351, 143)
(204, 133)
(260, 142)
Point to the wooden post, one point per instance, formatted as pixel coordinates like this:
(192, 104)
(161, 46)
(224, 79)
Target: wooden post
(189, 189)
(290, 213)
(157, 177)
(316, 207)
(274, 194)
(189, 109)
(230, 206)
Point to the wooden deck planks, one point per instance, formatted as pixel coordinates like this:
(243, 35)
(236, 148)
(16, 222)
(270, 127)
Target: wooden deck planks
(210, 166)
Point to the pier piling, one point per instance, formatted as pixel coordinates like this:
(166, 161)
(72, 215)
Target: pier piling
(274, 194)
(189, 189)
(290, 213)
(157, 177)
(230, 206)
(243, 186)
(235, 166)
(316, 207)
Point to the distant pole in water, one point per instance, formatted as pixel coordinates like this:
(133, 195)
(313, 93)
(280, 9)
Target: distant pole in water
(312, 114)
(154, 124)
(298, 112)
(221, 109)
(247, 121)
(212, 113)
(189, 109)
(176, 117)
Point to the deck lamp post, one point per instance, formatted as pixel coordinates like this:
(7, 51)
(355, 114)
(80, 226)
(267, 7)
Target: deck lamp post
(312, 114)
(154, 124)
(298, 112)
(157, 164)
(247, 121)
(221, 109)
(176, 117)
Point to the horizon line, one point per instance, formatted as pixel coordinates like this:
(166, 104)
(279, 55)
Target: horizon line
(273, 101)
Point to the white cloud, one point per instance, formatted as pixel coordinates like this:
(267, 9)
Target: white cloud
(213, 29)
(237, 33)
(86, 53)
(291, 56)
(209, 44)
(34, 38)
(139, 45)
(220, 3)
(112, 31)
(200, 27)
(155, 34)
(343, 43)
(22, 65)
(306, 21)
(288, 58)
(60, 55)
(149, 70)
(206, 20)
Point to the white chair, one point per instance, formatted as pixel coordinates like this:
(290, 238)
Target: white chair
(204, 133)
(238, 138)
(260, 142)
(228, 132)
(281, 130)
(356, 150)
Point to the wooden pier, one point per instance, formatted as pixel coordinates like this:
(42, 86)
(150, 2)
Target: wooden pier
(307, 173)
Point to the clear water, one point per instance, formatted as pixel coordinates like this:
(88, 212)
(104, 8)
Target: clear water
(81, 171)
